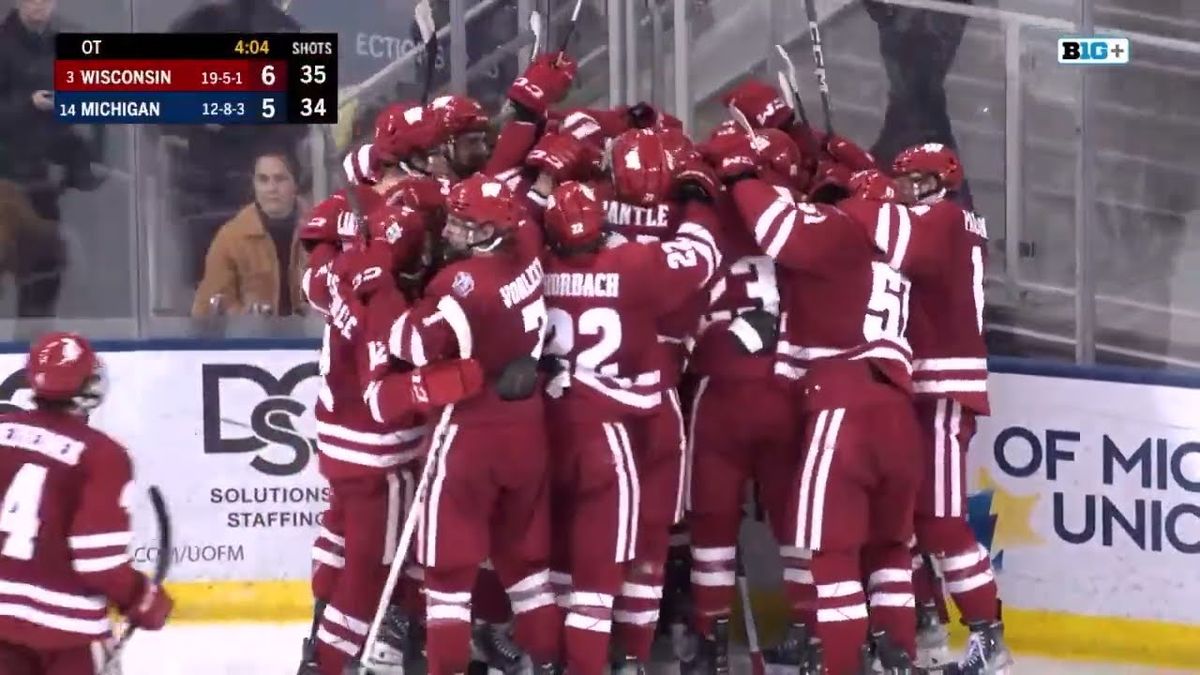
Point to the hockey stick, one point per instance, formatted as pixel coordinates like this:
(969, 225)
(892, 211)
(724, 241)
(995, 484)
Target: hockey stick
(740, 118)
(790, 86)
(535, 27)
(757, 666)
(814, 30)
(570, 28)
(161, 567)
(369, 662)
(423, 14)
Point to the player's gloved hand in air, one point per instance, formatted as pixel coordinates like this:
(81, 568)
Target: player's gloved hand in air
(152, 607)
(563, 157)
(545, 82)
(843, 151)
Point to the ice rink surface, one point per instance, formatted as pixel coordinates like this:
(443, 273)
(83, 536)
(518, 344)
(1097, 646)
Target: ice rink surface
(274, 649)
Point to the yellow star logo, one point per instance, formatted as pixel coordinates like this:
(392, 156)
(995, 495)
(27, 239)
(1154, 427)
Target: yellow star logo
(1014, 515)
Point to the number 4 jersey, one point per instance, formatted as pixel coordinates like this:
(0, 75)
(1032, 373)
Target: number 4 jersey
(64, 530)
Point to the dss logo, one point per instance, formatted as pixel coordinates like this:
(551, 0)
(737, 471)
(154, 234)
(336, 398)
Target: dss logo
(272, 420)
(15, 393)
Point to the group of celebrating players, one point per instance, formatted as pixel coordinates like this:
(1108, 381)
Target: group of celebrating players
(553, 352)
(561, 346)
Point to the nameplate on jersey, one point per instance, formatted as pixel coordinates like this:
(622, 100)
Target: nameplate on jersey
(583, 284)
(519, 289)
(36, 439)
(620, 214)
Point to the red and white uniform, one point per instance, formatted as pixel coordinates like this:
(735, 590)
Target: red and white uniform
(846, 311)
(731, 442)
(64, 535)
(604, 311)
(488, 495)
(944, 256)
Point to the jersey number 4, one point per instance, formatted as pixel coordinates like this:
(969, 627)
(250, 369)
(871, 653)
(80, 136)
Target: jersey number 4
(19, 511)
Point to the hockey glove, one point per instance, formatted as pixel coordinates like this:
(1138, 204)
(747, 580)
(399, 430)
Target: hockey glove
(563, 157)
(756, 331)
(422, 193)
(152, 607)
(362, 165)
(545, 82)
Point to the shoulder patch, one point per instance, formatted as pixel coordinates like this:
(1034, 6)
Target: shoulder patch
(463, 284)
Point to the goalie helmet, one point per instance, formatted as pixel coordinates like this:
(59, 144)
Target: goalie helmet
(643, 168)
(481, 214)
(574, 219)
(63, 367)
(931, 159)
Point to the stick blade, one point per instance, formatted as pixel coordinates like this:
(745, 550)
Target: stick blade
(575, 12)
(535, 27)
(163, 521)
(785, 87)
(423, 13)
(741, 120)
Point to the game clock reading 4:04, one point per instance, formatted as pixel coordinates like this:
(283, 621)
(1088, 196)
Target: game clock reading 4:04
(196, 78)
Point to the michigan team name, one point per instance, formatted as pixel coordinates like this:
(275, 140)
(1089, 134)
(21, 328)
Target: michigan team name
(121, 108)
(517, 290)
(125, 76)
(583, 284)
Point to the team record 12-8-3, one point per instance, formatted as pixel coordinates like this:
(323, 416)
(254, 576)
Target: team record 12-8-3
(196, 78)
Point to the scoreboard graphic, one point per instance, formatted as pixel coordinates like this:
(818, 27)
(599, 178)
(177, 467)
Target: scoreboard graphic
(196, 78)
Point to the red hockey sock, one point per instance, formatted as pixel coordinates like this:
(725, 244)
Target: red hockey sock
(448, 619)
(927, 587)
(971, 582)
(713, 574)
(890, 592)
(489, 602)
(798, 584)
(841, 609)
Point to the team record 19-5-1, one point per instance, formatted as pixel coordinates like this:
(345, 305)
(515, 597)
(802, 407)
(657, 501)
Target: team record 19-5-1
(196, 78)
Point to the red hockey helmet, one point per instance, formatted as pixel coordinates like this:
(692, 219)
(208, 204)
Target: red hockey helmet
(64, 367)
(402, 229)
(874, 185)
(403, 129)
(481, 213)
(332, 220)
(931, 159)
(760, 103)
(574, 218)
(642, 167)
(782, 161)
(459, 114)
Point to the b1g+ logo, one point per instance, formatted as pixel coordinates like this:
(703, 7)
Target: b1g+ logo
(272, 419)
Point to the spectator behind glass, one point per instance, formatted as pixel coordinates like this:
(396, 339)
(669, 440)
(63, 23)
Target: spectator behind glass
(211, 172)
(254, 263)
(42, 157)
(918, 49)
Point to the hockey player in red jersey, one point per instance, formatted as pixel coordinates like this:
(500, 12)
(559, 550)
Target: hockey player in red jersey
(854, 494)
(370, 424)
(604, 302)
(488, 493)
(643, 203)
(64, 548)
(950, 384)
(730, 442)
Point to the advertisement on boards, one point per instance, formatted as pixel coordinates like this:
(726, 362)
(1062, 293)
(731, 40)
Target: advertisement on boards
(1087, 493)
(229, 437)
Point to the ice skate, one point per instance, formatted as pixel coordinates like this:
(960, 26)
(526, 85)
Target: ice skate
(406, 637)
(711, 653)
(787, 657)
(628, 666)
(987, 654)
(933, 640)
(492, 646)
